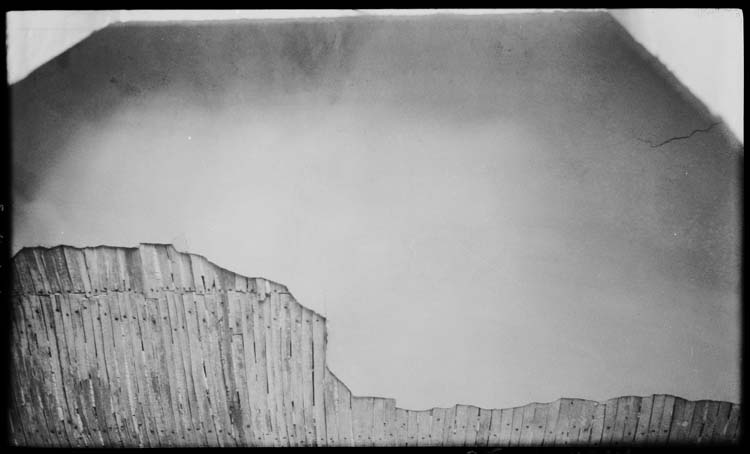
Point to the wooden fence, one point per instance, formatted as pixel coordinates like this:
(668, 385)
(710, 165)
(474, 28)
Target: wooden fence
(150, 347)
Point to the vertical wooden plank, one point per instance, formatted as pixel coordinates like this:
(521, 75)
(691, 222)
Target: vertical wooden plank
(657, 409)
(332, 425)
(213, 340)
(623, 411)
(459, 430)
(437, 425)
(224, 336)
(255, 361)
(20, 379)
(712, 410)
(483, 433)
(665, 423)
(170, 369)
(30, 378)
(319, 349)
(158, 373)
(273, 341)
(412, 428)
(644, 420)
(239, 356)
(208, 367)
(296, 372)
(132, 343)
(402, 434)
(124, 356)
(83, 381)
(192, 316)
(56, 256)
(285, 347)
(538, 425)
(610, 416)
(722, 418)
(424, 425)
(41, 367)
(362, 421)
(177, 304)
(588, 407)
(506, 426)
(563, 421)
(378, 422)
(680, 421)
(697, 421)
(517, 424)
(47, 270)
(307, 368)
(21, 270)
(597, 424)
(731, 431)
(495, 428)
(527, 425)
(550, 430)
(267, 407)
(472, 426)
(450, 422)
(344, 413)
(389, 416)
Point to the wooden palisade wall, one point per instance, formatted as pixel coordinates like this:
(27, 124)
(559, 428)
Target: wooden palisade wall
(150, 347)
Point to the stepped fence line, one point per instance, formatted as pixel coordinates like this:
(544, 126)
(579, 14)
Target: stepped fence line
(151, 347)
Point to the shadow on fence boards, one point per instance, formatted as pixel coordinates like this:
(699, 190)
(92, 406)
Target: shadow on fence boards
(151, 347)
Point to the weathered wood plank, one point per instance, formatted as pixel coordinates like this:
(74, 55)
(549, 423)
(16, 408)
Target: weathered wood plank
(169, 369)
(506, 426)
(665, 423)
(56, 257)
(267, 404)
(296, 372)
(83, 381)
(722, 418)
(516, 425)
(597, 424)
(657, 409)
(23, 273)
(709, 421)
(132, 348)
(437, 426)
(332, 425)
(495, 428)
(450, 422)
(424, 425)
(319, 364)
(588, 408)
(680, 420)
(402, 421)
(362, 421)
(527, 425)
(142, 344)
(91, 363)
(472, 425)
(158, 366)
(344, 413)
(192, 315)
(563, 421)
(483, 433)
(29, 375)
(697, 421)
(208, 365)
(623, 412)
(731, 431)
(285, 342)
(550, 429)
(378, 422)
(48, 271)
(218, 368)
(644, 420)
(276, 381)
(177, 305)
(412, 428)
(610, 416)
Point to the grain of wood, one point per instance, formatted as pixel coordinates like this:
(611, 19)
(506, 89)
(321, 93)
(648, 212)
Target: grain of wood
(402, 421)
(319, 348)
(712, 410)
(644, 420)
(588, 409)
(437, 426)
(344, 413)
(472, 425)
(329, 397)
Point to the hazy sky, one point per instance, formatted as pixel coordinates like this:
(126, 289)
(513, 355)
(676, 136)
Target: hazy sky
(479, 205)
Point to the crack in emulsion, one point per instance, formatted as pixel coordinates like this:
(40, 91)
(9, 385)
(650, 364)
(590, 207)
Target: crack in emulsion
(657, 145)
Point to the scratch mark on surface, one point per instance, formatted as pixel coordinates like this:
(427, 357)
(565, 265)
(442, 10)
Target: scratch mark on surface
(657, 145)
